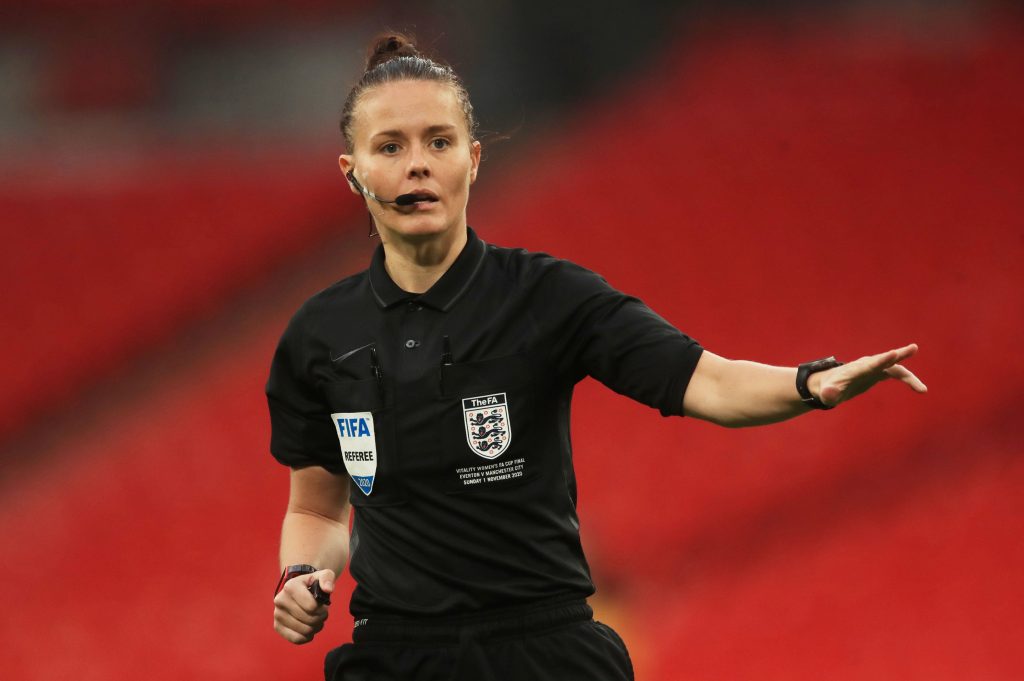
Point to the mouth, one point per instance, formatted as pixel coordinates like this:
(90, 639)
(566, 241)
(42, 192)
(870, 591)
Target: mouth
(419, 196)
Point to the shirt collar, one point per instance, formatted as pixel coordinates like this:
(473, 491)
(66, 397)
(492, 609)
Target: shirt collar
(445, 292)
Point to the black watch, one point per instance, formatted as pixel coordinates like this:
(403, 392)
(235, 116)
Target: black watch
(804, 371)
(302, 569)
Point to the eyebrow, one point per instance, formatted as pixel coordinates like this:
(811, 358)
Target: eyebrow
(431, 130)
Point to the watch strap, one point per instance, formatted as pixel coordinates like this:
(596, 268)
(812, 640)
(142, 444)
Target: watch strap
(293, 571)
(804, 371)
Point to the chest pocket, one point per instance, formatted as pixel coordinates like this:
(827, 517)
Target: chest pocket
(498, 424)
(363, 419)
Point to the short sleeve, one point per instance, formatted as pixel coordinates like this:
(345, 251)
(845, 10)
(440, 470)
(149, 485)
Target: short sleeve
(301, 433)
(621, 342)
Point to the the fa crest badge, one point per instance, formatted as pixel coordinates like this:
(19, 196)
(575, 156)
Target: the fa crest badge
(488, 429)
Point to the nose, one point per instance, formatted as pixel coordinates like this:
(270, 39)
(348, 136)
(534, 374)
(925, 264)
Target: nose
(418, 166)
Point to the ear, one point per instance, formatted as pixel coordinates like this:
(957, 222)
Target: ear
(474, 157)
(347, 166)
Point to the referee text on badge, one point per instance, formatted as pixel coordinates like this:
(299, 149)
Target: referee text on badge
(358, 446)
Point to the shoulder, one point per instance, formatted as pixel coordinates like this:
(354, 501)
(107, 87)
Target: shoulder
(324, 303)
(525, 267)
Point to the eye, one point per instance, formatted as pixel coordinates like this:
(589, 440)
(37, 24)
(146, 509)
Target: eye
(390, 148)
(440, 143)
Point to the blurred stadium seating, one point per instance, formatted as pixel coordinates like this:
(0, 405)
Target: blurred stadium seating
(779, 190)
(105, 274)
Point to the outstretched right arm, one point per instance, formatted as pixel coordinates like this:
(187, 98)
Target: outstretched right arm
(315, 532)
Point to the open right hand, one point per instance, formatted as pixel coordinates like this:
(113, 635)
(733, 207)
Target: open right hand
(297, 615)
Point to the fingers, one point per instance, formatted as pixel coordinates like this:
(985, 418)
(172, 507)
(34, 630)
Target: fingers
(888, 363)
(905, 352)
(297, 615)
(298, 628)
(299, 609)
(296, 598)
(885, 360)
(296, 631)
(905, 375)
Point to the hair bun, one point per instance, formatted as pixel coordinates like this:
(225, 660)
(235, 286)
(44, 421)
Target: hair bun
(388, 46)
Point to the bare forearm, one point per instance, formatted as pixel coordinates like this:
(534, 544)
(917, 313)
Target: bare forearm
(314, 532)
(315, 540)
(739, 393)
(748, 393)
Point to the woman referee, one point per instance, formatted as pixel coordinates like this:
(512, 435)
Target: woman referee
(432, 392)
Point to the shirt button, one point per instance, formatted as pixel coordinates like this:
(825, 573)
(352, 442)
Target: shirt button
(410, 344)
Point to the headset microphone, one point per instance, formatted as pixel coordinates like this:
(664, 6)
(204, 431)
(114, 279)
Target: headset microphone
(402, 200)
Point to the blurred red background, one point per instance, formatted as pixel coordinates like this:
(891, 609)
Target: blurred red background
(782, 186)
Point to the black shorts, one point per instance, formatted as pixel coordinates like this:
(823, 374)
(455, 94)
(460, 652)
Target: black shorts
(556, 643)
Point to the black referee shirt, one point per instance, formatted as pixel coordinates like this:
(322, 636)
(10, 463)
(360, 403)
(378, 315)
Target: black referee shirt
(449, 413)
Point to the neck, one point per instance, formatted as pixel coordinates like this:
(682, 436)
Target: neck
(416, 265)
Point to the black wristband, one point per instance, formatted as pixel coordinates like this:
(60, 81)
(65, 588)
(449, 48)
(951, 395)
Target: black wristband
(802, 374)
(293, 571)
(296, 570)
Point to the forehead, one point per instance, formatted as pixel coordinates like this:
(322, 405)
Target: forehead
(407, 105)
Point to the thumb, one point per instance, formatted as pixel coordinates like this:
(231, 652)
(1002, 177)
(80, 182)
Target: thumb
(326, 579)
(830, 394)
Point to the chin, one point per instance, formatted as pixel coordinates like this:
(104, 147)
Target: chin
(424, 227)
